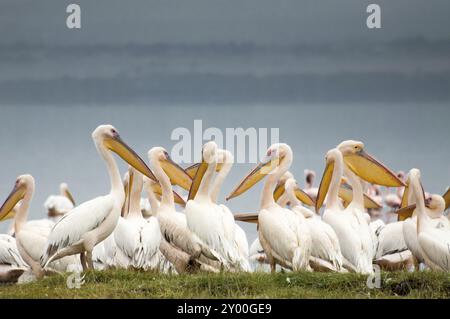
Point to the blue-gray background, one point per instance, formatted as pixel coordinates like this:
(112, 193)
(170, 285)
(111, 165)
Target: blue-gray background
(311, 68)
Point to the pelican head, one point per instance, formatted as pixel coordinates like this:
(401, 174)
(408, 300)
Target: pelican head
(23, 184)
(367, 167)
(435, 203)
(309, 176)
(223, 157)
(282, 187)
(276, 155)
(176, 174)
(107, 137)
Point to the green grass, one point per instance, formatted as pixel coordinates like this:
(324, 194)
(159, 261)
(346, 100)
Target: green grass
(135, 284)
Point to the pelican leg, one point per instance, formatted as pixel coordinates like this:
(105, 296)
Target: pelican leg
(273, 267)
(67, 251)
(83, 261)
(89, 261)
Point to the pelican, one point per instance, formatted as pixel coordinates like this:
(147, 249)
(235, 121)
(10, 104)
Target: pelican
(434, 242)
(179, 245)
(9, 254)
(58, 205)
(283, 233)
(214, 223)
(12, 266)
(325, 243)
(137, 238)
(434, 208)
(225, 162)
(310, 176)
(31, 236)
(350, 223)
(88, 224)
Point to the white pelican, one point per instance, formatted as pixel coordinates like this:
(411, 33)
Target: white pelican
(91, 222)
(179, 245)
(12, 266)
(9, 254)
(350, 223)
(225, 161)
(58, 205)
(434, 208)
(325, 243)
(137, 238)
(434, 242)
(223, 234)
(310, 176)
(31, 236)
(282, 233)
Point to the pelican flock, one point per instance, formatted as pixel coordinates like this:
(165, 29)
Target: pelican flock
(165, 218)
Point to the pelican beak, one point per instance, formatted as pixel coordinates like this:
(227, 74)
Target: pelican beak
(304, 197)
(371, 170)
(246, 217)
(177, 175)
(346, 194)
(191, 170)
(446, 197)
(118, 146)
(69, 195)
(324, 185)
(404, 202)
(405, 212)
(7, 209)
(279, 191)
(258, 173)
(126, 190)
(156, 188)
(196, 181)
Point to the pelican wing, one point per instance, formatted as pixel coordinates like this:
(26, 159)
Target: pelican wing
(147, 254)
(9, 255)
(279, 233)
(79, 221)
(435, 244)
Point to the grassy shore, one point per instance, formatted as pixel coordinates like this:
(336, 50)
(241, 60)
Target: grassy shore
(135, 284)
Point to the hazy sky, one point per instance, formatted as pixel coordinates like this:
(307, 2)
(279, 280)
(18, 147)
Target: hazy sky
(205, 21)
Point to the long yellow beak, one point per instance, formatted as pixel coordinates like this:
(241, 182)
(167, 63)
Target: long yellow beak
(197, 180)
(446, 197)
(118, 146)
(405, 212)
(324, 185)
(279, 191)
(191, 170)
(156, 188)
(7, 209)
(404, 202)
(346, 193)
(299, 193)
(257, 174)
(69, 196)
(177, 175)
(371, 170)
(247, 217)
(126, 186)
